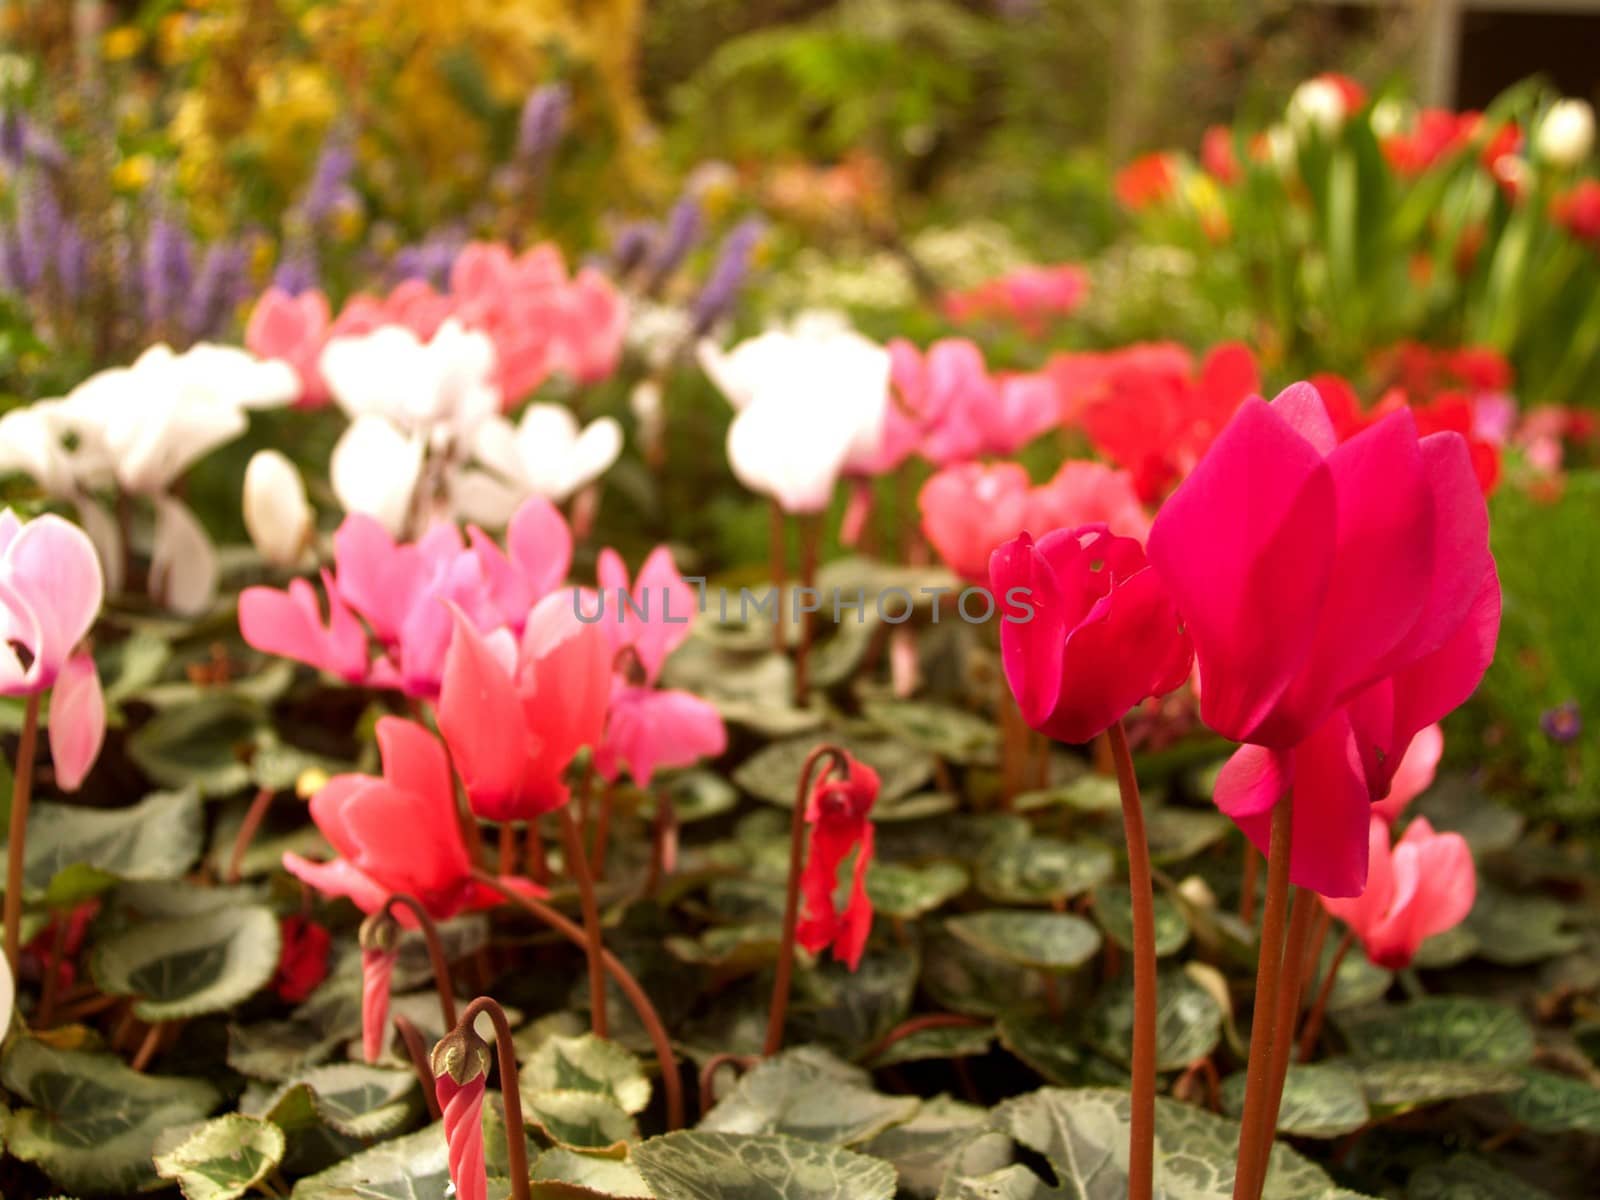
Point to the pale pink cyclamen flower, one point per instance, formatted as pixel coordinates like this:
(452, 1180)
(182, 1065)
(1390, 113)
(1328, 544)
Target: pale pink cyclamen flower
(50, 592)
(1423, 886)
(648, 728)
(403, 592)
(293, 330)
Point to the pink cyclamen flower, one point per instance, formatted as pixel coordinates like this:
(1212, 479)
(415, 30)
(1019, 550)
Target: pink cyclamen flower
(1087, 632)
(50, 592)
(515, 716)
(1341, 597)
(293, 330)
(1089, 493)
(969, 510)
(397, 832)
(1415, 773)
(648, 728)
(839, 813)
(402, 592)
(1424, 886)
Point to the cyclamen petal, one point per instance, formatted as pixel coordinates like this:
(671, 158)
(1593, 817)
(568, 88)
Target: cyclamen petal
(77, 721)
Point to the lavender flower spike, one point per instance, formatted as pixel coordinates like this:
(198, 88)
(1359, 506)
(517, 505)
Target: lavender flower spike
(543, 121)
(728, 276)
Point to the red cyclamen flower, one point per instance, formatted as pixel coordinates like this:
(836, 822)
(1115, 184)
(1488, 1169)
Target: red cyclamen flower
(1088, 630)
(1421, 887)
(839, 811)
(1341, 597)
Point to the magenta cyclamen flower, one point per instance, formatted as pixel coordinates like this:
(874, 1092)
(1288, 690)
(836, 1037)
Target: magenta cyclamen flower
(404, 593)
(50, 592)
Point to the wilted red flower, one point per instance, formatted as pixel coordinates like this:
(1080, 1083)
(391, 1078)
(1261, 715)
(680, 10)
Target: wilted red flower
(1148, 180)
(303, 960)
(839, 813)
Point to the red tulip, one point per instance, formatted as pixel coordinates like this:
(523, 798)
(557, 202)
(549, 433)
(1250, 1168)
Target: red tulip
(1578, 211)
(397, 833)
(1148, 180)
(1217, 156)
(515, 717)
(1088, 630)
(1422, 887)
(1341, 597)
(839, 811)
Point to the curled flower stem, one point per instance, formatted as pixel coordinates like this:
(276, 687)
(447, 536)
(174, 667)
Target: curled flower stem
(1313, 1025)
(1269, 969)
(791, 904)
(248, 828)
(708, 1074)
(671, 1084)
(916, 1025)
(1301, 919)
(417, 1051)
(21, 793)
(510, 1096)
(594, 936)
(1142, 1130)
(436, 958)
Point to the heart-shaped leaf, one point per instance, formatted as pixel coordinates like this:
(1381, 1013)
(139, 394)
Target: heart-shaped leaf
(1044, 940)
(186, 966)
(587, 1064)
(945, 1136)
(93, 1122)
(807, 1093)
(1444, 1028)
(700, 1165)
(1041, 870)
(158, 838)
(1320, 1100)
(223, 1159)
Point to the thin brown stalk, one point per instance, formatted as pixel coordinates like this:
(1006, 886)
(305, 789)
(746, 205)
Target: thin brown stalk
(417, 1052)
(21, 793)
(248, 828)
(436, 956)
(671, 1084)
(594, 935)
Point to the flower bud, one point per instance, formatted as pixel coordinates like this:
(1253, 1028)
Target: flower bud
(1566, 135)
(276, 512)
(1317, 104)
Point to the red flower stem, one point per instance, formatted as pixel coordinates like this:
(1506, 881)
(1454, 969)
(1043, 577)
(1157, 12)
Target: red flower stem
(1247, 887)
(1269, 969)
(810, 537)
(1142, 1131)
(1301, 919)
(714, 1064)
(248, 828)
(1319, 1007)
(417, 1051)
(21, 793)
(602, 832)
(510, 1096)
(791, 904)
(779, 551)
(52, 970)
(671, 1084)
(436, 956)
(594, 936)
(538, 868)
(506, 849)
(917, 1025)
(147, 1047)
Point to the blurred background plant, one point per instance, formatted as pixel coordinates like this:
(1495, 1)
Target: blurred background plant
(1183, 172)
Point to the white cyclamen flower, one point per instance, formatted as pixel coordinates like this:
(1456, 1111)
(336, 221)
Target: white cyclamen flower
(183, 562)
(809, 399)
(546, 453)
(375, 470)
(276, 513)
(145, 425)
(1566, 135)
(442, 389)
